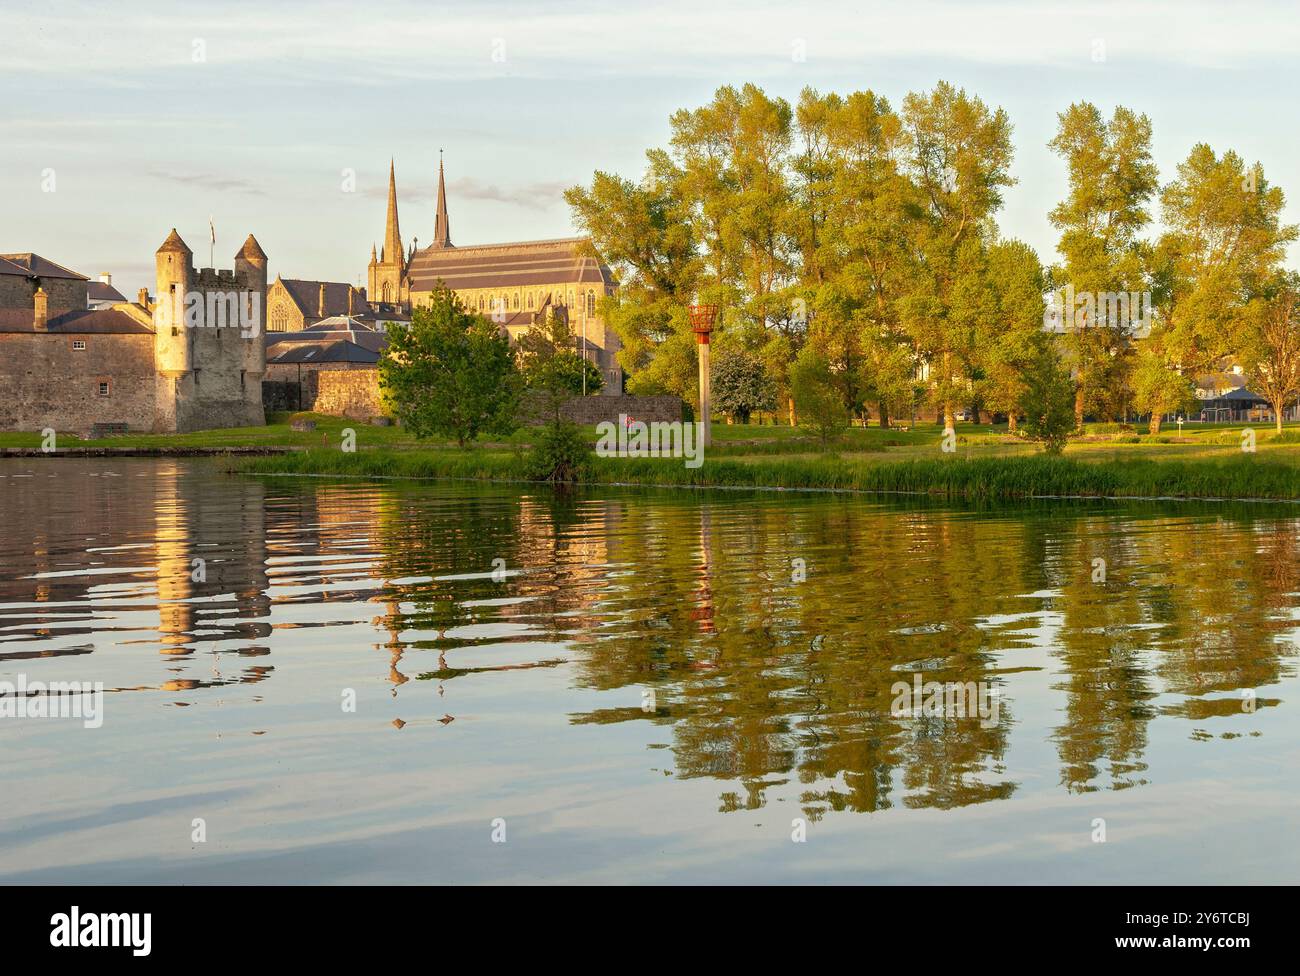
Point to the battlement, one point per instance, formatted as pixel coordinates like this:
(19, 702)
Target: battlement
(223, 278)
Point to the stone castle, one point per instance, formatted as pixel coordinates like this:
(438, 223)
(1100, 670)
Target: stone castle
(190, 359)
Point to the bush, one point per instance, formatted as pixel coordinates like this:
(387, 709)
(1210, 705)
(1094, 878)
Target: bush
(560, 454)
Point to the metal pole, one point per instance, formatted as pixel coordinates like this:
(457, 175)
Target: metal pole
(706, 437)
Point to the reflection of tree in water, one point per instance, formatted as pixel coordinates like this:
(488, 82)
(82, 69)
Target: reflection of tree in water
(794, 680)
(772, 684)
(1191, 607)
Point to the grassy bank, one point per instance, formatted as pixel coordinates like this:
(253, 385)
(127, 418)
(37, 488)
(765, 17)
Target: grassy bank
(1021, 476)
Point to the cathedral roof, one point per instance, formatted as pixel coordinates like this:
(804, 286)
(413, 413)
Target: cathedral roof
(560, 261)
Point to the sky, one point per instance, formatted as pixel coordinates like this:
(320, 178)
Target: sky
(120, 121)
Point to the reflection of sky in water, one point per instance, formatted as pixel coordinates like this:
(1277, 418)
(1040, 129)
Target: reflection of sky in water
(520, 694)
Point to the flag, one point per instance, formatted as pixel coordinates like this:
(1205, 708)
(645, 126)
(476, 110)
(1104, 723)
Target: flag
(212, 228)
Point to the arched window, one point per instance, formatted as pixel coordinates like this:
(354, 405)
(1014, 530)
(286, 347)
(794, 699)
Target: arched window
(530, 301)
(387, 292)
(516, 301)
(591, 303)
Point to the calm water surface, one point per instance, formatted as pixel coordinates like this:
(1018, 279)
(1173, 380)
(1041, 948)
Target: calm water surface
(641, 691)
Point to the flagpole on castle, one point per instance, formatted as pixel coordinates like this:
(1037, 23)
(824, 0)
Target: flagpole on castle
(212, 245)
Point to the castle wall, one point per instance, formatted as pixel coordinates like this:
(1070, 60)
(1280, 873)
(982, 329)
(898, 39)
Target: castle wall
(48, 384)
(210, 376)
(63, 293)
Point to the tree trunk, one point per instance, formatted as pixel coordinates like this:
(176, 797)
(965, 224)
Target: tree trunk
(1155, 422)
(1011, 423)
(949, 421)
(1078, 407)
(1277, 414)
(884, 415)
(794, 421)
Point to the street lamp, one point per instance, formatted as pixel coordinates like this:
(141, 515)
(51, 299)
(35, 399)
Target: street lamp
(702, 317)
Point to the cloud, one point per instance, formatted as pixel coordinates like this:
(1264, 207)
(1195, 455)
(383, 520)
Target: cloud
(131, 41)
(216, 184)
(533, 196)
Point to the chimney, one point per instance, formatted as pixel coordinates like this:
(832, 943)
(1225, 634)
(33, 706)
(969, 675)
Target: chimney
(320, 304)
(42, 311)
(143, 297)
(351, 293)
(106, 278)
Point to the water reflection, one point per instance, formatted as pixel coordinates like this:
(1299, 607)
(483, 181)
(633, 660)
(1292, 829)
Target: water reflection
(752, 638)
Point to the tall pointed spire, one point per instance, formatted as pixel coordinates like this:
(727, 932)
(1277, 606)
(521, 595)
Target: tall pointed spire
(392, 235)
(441, 227)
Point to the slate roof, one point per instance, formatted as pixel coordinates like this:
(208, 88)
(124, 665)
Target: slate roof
(329, 351)
(34, 266)
(338, 328)
(98, 291)
(306, 295)
(82, 321)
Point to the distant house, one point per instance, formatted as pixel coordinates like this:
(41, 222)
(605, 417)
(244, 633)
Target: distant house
(1238, 405)
(340, 342)
(102, 294)
(293, 304)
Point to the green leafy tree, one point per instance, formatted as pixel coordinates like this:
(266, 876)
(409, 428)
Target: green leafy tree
(1112, 180)
(740, 384)
(959, 159)
(1271, 352)
(1047, 400)
(1224, 243)
(553, 370)
(451, 373)
(816, 396)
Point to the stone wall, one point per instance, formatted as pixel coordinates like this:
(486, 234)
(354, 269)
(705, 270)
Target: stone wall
(595, 409)
(348, 393)
(46, 383)
(306, 375)
(63, 293)
(280, 395)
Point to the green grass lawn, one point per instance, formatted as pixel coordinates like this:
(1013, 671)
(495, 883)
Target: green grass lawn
(1204, 459)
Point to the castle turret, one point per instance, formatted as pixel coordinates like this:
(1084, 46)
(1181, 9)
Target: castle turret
(250, 272)
(174, 263)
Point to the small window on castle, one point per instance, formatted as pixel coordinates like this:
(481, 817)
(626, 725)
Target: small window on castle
(530, 301)
(78, 343)
(591, 303)
(516, 302)
(103, 387)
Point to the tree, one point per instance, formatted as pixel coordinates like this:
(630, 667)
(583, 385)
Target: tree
(959, 159)
(816, 396)
(1112, 179)
(1012, 331)
(1224, 242)
(1047, 400)
(553, 371)
(1272, 349)
(740, 385)
(451, 373)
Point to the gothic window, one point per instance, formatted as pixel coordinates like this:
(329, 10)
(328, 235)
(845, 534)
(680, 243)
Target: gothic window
(386, 292)
(530, 301)
(591, 303)
(516, 301)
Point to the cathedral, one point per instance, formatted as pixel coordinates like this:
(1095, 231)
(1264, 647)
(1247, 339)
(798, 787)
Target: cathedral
(515, 284)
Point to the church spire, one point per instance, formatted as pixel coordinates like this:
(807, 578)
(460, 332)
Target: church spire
(392, 235)
(441, 228)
